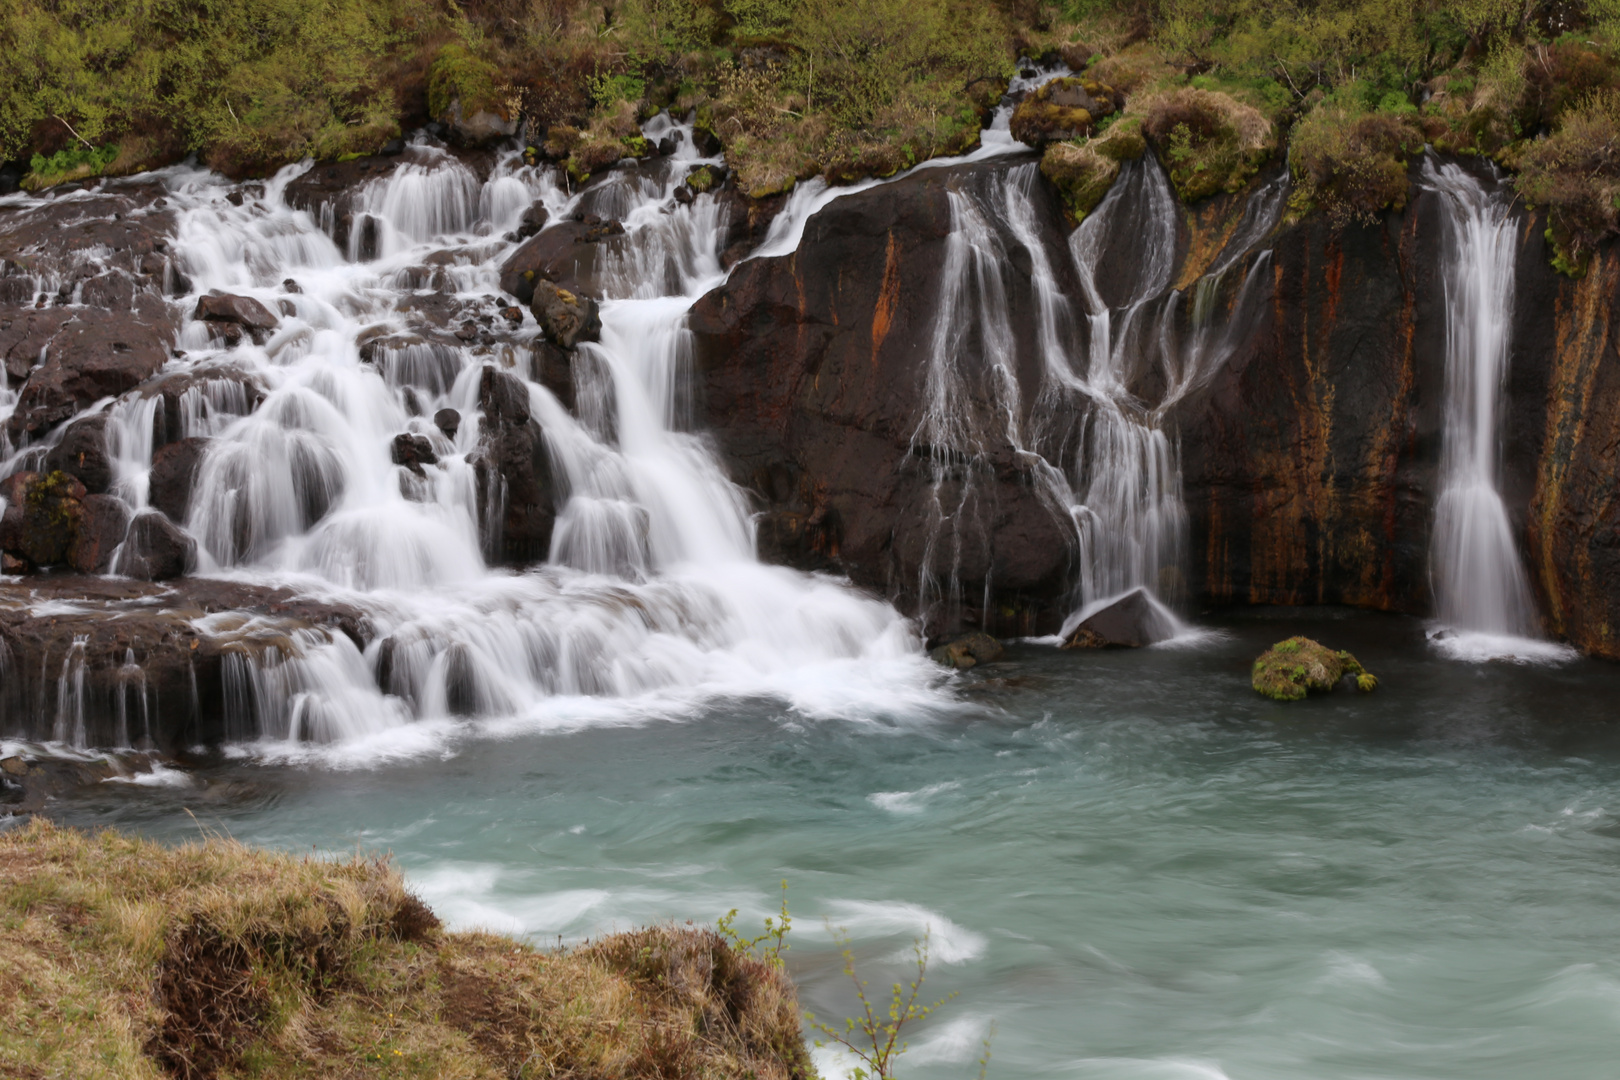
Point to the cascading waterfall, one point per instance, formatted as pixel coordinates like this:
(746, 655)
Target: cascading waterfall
(1116, 481)
(1481, 589)
(652, 600)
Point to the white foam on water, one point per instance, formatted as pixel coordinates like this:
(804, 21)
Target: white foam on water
(159, 775)
(1479, 647)
(947, 942)
(909, 802)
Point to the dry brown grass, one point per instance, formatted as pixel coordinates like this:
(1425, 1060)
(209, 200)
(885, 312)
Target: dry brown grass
(123, 958)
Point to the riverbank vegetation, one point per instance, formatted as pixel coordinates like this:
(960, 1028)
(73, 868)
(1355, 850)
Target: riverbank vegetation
(1346, 91)
(122, 958)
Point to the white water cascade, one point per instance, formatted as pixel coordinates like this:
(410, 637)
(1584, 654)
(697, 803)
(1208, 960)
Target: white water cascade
(652, 601)
(1481, 590)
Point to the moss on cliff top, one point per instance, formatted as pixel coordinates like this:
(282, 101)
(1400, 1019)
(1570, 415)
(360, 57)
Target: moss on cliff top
(123, 958)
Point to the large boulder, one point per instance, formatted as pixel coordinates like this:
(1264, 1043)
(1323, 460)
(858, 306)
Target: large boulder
(103, 523)
(1060, 110)
(1132, 621)
(43, 514)
(174, 470)
(1290, 669)
(566, 254)
(156, 549)
(229, 315)
(565, 318)
(82, 454)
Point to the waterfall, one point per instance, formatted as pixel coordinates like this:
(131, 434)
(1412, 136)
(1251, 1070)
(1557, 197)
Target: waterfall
(652, 600)
(1115, 483)
(1481, 590)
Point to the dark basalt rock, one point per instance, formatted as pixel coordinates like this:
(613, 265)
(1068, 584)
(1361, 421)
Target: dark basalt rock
(86, 359)
(174, 470)
(513, 472)
(565, 254)
(51, 506)
(82, 454)
(103, 522)
(1130, 622)
(413, 452)
(447, 421)
(156, 549)
(811, 382)
(225, 310)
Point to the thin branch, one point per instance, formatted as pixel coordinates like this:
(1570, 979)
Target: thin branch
(87, 144)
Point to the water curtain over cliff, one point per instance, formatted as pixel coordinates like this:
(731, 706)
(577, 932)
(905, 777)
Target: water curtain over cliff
(1481, 590)
(1098, 444)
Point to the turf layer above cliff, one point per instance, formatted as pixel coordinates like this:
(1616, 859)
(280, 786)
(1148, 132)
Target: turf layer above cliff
(123, 958)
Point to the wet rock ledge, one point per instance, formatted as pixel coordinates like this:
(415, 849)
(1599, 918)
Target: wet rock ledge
(112, 662)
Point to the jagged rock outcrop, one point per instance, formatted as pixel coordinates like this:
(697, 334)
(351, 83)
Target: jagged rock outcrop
(83, 309)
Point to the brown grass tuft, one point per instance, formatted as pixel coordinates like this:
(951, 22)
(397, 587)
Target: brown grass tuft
(127, 959)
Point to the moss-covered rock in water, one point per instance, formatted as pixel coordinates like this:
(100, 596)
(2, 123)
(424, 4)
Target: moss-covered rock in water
(1290, 669)
(702, 179)
(968, 651)
(1060, 110)
(1084, 171)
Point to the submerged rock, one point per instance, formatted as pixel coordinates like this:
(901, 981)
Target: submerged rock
(967, 651)
(1290, 669)
(1131, 622)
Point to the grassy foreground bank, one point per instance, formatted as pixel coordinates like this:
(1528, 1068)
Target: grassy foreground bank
(124, 958)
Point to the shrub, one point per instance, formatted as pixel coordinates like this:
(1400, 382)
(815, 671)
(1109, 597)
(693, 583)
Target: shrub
(1575, 173)
(460, 73)
(1350, 165)
(1209, 141)
(1083, 172)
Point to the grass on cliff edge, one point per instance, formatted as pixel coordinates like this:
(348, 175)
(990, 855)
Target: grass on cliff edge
(124, 958)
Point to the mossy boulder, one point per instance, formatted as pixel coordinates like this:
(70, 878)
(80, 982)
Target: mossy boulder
(1061, 110)
(1291, 669)
(968, 651)
(1084, 171)
(1210, 141)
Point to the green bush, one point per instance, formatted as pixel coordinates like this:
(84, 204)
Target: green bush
(1209, 141)
(1575, 173)
(1351, 165)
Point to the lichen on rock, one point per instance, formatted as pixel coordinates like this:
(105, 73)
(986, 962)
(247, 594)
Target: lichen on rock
(1291, 669)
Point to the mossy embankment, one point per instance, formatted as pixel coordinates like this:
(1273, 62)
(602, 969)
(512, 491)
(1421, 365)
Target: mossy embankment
(1345, 91)
(124, 958)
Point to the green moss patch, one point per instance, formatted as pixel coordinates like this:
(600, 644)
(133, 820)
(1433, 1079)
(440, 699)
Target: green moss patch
(1291, 669)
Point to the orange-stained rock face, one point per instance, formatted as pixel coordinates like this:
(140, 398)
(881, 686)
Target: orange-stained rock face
(1310, 459)
(1574, 527)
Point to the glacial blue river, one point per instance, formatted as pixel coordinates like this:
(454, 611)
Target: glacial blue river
(1128, 865)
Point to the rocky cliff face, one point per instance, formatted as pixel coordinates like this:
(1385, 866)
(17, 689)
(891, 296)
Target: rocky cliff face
(813, 369)
(1310, 454)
